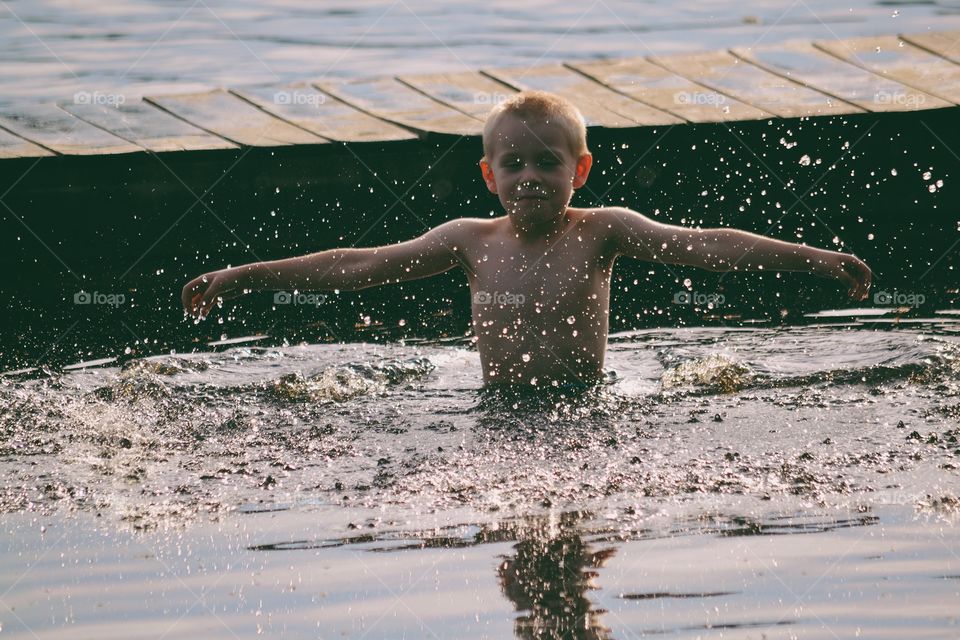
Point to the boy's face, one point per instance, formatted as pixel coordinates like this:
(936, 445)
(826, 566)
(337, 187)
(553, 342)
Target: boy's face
(532, 169)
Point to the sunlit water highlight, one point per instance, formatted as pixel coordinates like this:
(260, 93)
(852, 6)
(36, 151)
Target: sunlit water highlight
(312, 488)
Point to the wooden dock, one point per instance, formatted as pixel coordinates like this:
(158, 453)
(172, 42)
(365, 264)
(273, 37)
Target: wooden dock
(822, 78)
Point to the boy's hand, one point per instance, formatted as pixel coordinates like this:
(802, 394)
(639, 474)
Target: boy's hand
(203, 292)
(851, 271)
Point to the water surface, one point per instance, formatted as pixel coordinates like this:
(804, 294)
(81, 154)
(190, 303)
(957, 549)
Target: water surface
(728, 482)
(54, 48)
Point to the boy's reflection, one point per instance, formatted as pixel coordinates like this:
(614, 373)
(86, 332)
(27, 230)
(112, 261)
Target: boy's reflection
(548, 576)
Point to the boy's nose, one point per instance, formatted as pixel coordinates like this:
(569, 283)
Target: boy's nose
(529, 178)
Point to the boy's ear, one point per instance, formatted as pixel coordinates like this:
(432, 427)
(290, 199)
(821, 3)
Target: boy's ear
(584, 163)
(488, 176)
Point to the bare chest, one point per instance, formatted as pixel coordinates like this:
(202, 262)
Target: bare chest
(540, 285)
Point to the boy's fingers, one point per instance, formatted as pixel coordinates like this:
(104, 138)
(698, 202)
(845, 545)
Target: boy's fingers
(196, 303)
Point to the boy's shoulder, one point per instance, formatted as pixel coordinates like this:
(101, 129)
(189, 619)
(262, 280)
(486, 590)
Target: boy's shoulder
(473, 227)
(602, 216)
(469, 227)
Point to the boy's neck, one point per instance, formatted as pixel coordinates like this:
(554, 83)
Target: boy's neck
(543, 232)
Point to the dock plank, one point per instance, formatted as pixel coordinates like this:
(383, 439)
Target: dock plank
(729, 75)
(224, 114)
(945, 44)
(391, 100)
(470, 91)
(893, 58)
(599, 104)
(652, 84)
(804, 63)
(321, 113)
(51, 127)
(13, 146)
(145, 125)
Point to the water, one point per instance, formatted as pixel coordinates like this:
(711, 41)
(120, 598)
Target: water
(726, 482)
(54, 48)
(732, 481)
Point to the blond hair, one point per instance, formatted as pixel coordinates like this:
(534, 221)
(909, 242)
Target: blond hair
(539, 104)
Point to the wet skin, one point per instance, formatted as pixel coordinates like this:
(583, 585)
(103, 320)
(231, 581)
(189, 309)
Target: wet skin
(540, 307)
(539, 275)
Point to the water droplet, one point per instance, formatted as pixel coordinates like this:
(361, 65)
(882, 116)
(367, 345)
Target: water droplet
(893, 172)
(571, 319)
(687, 282)
(927, 175)
(869, 236)
(805, 160)
(525, 357)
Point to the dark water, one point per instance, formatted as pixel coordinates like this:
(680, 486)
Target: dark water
(726, 482)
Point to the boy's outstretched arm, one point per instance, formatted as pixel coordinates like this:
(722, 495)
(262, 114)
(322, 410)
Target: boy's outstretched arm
(638, 236)
(349, 269)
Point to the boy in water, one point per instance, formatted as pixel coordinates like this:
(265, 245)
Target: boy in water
(539, 275)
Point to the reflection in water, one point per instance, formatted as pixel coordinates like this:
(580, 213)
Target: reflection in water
(547, 579)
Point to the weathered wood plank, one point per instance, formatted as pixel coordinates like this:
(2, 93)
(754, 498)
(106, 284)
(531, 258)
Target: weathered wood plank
(13, 146)
(147, 126)
(599, 104)
(891, 57)
(945, 44)
(322, 114)
(469, 91)
(224, 114)
(729, 75)
(389, 99)
(804, 63)
(649, 83)
(54, 128)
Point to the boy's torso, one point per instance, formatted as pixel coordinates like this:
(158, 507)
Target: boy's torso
(540, 308)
